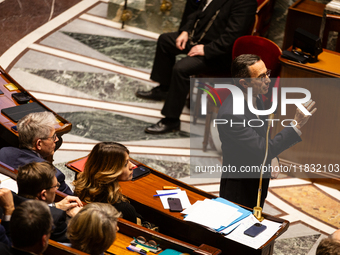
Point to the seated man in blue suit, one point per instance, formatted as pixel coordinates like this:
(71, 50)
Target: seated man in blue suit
(37, 141)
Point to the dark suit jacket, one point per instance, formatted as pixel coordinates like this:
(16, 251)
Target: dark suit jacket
(59, 220)
(7, 250)
(3, 236)
(234, 20)
(15, 157)
(244, 147)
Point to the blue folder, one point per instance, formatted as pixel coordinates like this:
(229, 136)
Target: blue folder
(245, 212)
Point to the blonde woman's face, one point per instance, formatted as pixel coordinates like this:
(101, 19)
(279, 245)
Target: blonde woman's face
(127, 170)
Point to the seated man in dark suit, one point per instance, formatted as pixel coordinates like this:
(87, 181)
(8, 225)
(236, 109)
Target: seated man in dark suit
(37, 138)
(7, 206)
(30, 229)
(207, 39)
(37, 180)
(244, 145)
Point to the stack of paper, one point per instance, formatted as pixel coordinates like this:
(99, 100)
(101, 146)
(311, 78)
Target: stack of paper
(212, 214)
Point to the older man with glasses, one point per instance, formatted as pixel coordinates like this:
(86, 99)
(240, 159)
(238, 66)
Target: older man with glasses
(37, 143)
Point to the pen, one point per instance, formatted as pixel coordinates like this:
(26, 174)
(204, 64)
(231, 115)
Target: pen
(166, 194)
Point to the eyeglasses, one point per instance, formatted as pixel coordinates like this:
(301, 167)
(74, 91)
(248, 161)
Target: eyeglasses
(148, 244)
(265, 75)
(55, 186)
(54, 137)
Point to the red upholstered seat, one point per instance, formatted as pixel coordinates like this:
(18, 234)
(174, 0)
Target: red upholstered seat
(267, 50)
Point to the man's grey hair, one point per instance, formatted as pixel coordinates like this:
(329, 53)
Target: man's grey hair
(34, 126)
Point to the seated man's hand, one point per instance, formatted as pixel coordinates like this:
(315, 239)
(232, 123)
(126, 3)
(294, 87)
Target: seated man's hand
(300, 118)
(68, 203)
(73, 211)
(181, 40)
(197, 50)
(6, 201)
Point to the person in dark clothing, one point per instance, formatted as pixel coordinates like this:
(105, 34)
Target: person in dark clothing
(244, 145)
(7, 206)
(37, 181)
(37, 142)
(30, 229)
(107, 165)
(207, 39)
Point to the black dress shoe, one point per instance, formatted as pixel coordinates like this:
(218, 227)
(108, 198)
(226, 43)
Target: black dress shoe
(162, 128)
(153, 94)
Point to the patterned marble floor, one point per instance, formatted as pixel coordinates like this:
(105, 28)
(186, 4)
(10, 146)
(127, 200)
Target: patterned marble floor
(85, 68)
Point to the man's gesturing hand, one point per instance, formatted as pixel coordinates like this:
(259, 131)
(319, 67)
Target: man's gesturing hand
(300, 118)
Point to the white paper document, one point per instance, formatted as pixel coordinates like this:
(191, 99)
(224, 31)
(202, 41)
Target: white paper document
(181, 194)
(9, 183)
(212, 214)
(254, 242)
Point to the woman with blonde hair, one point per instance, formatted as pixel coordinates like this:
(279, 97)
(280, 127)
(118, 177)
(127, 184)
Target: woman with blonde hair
(107, 165)
(93, 229)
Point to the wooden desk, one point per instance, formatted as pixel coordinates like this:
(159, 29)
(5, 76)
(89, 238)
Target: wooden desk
(305, 14)
(127, 230)
(320, 137)
(6, 100)
(140, 194)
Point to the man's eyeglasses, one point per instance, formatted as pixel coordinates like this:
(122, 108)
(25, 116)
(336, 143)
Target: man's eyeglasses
(55, 186)
(265, 75)
(54, 137)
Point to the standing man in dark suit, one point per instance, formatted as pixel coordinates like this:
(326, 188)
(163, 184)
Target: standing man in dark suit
(244, 146)
(37, 141)
(207, 38)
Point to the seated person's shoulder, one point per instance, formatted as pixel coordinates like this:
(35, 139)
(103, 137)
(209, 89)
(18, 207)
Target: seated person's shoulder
(5, 249)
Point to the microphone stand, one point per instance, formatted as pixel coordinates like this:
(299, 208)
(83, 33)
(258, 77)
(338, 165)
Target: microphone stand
(257, 211)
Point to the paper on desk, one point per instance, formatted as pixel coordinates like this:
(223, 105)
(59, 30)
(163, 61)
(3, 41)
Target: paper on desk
(181, 194)
(254, 242)
(192, 208)
(9, 183)
(213, 214)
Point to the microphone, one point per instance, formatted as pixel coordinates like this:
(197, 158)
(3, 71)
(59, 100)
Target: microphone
(257, 211)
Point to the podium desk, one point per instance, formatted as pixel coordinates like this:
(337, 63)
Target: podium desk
(6, 101)
(140, 193)
(127, 230)
(320, 136)
(305, 14)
